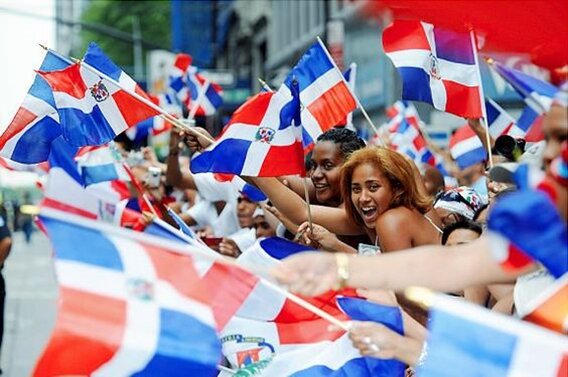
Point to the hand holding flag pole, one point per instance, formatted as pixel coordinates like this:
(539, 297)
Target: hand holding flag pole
(163, 114)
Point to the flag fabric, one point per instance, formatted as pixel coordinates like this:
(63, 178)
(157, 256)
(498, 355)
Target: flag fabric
(350, 76)
(499, 121)
(40, 168)
(177, 83)
(100, 164)
(436, 65)
(550, 308)
(537, 94)
(466, 148)
(28, 138)
(129, 305)
(263, 138)
(324, 93)
(92, 109)
(204, 94)
(525, 227)
(181, 224)
(480, 342)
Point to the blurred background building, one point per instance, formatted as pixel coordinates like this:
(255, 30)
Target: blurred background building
(235, 42)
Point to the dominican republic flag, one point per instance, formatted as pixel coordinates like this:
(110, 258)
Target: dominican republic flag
(407, 139)
(92, 109)
(262, 139)
(498, 120)
(324, 93)
(466, 148)
(479, 342)
(350, 76)
(178, 80)
(538, 96)
(207, 96)
(285, 339)
(66, 190)
(437, 66)
(525, 227)
(100, 164)
(28, 138)
(130, 304)
(550, 308)
(40, 168)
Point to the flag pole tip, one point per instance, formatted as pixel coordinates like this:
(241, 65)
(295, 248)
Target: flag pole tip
(420, 295)
(43, 46)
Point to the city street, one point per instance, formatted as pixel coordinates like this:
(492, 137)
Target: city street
(30, 305)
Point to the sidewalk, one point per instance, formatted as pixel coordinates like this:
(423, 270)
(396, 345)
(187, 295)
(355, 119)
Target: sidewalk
(31, 294)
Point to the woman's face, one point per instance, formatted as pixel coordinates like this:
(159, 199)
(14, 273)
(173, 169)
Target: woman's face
(327, 160)
(461, 236)
(371, 193)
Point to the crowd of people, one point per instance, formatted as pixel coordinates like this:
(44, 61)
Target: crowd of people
(380, 224)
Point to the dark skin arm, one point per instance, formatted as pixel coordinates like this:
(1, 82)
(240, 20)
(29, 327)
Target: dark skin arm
(5, 247)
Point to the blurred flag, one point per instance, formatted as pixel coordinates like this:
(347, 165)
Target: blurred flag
(537, 94)
(550, 308)
(28, 138)
(498, 120)
(466, 148)
(525, 227)
(100, 164)
(204, 94)
(350, 76)
(93, 110)
(480, 342)
(177, 78)
(262, 139)
(130, 304)
(437, 66)
(324, 93)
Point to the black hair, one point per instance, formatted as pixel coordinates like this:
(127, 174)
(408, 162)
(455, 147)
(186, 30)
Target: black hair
(480, 211)
(347, 140)
(462, 224)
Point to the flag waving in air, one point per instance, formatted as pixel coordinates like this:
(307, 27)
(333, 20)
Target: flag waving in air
(437, 66)
(130, 304)
(28, 138)
(92, 109)
(263, 139)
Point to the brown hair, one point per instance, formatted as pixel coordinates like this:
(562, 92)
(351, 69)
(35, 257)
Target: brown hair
(396, 169)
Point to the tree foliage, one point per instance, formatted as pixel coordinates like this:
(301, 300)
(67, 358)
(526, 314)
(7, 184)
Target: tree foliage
(154, 18)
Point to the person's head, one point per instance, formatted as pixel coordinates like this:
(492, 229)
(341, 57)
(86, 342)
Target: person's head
(555, 127)
(457, 204)
(377, 179)
(480, 215)
(330, 152)
(245, 210)
(433, 181)
(262, 227)
(461, 232)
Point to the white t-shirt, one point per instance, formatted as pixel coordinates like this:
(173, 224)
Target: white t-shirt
(244, 238)
(223, 224)
(213, 190)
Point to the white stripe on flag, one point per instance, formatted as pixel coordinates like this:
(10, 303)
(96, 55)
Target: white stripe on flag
(11, 143)
(127, 82)
(62, 188)
(465, 146)
(464, 74)
(411, 58)
(91, 279)
(321, 85)
(535, 356)
(37, 106)
(439, 95)
(246, 132)
(255, 158)
(142, 325)
(170, 298)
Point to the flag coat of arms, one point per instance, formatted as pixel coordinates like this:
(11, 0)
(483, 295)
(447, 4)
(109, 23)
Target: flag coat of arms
(28, 138)
(93, 110)
(129, 305)
(262, 139)
(478, 342)
(437, 66)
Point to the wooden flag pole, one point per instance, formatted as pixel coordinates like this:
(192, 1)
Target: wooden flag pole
(482, 98)
(369, 121)
(139, 188)
(162, 113)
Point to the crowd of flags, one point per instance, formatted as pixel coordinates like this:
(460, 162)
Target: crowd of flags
(161, 302)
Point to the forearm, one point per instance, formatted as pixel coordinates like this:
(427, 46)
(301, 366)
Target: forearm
(175, 177)
(408, 350)
(5, 247)
(412, 328)
(341, 247)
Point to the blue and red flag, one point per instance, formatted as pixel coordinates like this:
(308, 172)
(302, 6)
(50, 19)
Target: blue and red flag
(204, 94)
(130, 304)
(437, 66)
(28, 138)
(498, 120)
(262, 139)
(93, 110)
(466, 148)
(324, 93)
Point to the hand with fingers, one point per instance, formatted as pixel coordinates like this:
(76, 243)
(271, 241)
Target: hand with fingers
(229, 248)
(199, 140)
(317, 236)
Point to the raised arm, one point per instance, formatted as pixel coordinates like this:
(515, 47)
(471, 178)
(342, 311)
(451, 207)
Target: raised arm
(294, 207)
(174, 175)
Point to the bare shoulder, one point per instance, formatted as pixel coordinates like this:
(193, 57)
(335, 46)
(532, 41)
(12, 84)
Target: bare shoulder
(395, 217)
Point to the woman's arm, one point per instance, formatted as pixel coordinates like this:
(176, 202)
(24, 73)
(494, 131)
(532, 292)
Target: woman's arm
(294, 208)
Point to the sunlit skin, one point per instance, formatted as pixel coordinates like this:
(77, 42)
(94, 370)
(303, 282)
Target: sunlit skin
(555, 129)
(327, 160)
(461, 236)
(245, 210)
(263, 228)
(371, 193)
